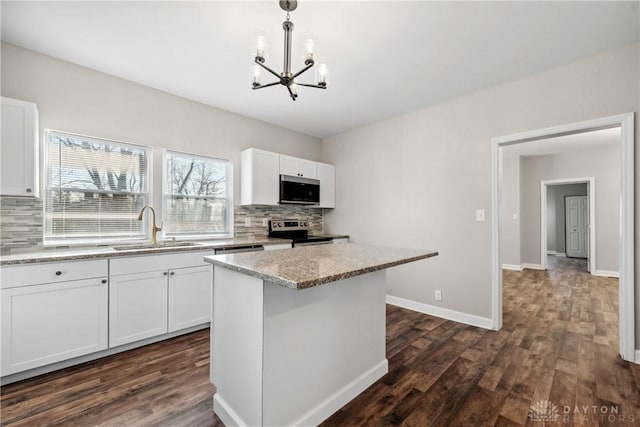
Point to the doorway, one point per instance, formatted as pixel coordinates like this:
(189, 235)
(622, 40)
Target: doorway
(626, 217)
(561, 223)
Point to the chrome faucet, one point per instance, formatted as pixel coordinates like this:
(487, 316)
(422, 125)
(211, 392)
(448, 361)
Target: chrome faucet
(154, 229)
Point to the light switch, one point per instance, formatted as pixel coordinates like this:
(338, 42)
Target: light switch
(479, 215)
(265, 222)
(515, 217)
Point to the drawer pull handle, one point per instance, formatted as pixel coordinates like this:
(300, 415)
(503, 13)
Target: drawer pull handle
(165, 273)
(29, 190)
(173, 273)
(104, 280)
(58, 273)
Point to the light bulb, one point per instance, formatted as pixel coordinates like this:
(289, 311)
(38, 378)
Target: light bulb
(309, 47)
(256, 74)
(294, 88)
(260, 44)
(323, 71)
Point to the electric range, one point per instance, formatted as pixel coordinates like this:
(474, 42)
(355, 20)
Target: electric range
(296, 230)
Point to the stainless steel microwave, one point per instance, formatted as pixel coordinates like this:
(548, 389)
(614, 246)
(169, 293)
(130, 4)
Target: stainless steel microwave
(298, 190)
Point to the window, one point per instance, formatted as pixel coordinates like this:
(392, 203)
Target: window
(198, 197)
(95, 189)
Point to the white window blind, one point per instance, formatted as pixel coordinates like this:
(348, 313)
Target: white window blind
(95, 189)
(198, 199)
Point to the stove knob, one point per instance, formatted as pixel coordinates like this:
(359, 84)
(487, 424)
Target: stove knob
(304, 223)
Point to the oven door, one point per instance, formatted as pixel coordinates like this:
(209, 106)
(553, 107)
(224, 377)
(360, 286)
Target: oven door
(300, 191)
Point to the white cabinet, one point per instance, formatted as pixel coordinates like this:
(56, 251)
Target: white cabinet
(44, 323)
(137, 307)
(260, 177)
(294, 166)
(327, 177)
(189, 297)
(157, 294)
(19, 150)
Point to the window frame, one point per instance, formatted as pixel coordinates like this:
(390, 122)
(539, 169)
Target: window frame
(80, 241)
(166, 196)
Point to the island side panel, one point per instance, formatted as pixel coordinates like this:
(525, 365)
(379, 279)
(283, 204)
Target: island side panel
(322, 347)
(236, 341)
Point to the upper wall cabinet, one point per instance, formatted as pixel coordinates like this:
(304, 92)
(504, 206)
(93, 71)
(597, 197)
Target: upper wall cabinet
(259, 177)
(298, 167)
(19, 149)
(327, 177)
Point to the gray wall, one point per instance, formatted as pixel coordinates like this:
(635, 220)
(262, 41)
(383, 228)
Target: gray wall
(556, 232)
(80, 100)
(604, 165)
(510, 206)
(415, 180)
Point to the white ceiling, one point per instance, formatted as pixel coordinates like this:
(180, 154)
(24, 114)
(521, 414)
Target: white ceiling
(606, 138)
(385, 58)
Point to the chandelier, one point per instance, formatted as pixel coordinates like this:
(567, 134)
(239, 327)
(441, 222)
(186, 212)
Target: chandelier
(287, 78)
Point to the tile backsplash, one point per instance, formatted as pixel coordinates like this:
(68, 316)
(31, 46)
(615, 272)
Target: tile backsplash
(258, 213)
(21, 222)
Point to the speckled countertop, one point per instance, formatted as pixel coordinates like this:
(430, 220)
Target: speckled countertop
(307, 266)
(54, 255)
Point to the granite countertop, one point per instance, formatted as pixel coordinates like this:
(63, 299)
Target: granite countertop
(308, 266)
(53, 255)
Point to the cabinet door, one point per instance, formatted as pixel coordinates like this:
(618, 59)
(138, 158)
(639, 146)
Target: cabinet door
(260, 179)
(189, 297)
(19, 150)
(327, 177)
(49, 323)
(307, 169)
(288, 165)
(137, 306)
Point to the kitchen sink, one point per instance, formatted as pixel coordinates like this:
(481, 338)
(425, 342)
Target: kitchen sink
(156, 246)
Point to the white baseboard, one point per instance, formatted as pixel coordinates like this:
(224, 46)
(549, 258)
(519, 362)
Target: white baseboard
(228, 416)
(532, 266)
(605, 273)
(514, 267)
(561, 254)
(340, 398)
(456, 316)
(551, 252)
(638, 357)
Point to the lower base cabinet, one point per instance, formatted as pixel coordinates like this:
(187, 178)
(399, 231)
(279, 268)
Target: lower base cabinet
(155, 295)
(189, 297)
(137, 307)
(48, 323)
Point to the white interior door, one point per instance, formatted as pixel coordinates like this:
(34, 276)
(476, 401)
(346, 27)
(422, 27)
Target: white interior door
(577, 226)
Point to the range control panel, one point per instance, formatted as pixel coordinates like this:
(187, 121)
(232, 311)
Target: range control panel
(288, 225)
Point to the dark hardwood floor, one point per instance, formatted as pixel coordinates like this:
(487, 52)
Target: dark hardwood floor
(558, 344)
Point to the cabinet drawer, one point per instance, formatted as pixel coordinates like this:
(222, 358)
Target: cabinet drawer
(145, 263)
(53, 272)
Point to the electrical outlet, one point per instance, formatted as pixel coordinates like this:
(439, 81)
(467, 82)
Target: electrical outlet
(480, 215)
(265, 222)
(247, 222)
(438, 295)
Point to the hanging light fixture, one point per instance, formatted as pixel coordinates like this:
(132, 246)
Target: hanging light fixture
(287, 78)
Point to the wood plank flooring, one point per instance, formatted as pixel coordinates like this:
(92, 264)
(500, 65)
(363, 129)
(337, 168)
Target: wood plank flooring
(559, 344)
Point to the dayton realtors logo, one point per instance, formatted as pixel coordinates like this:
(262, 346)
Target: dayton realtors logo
(545, 411)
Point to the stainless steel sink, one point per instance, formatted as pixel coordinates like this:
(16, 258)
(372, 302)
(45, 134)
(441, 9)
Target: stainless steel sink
(156, 246)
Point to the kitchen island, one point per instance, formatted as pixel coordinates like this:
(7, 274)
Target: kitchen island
(297, 333)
